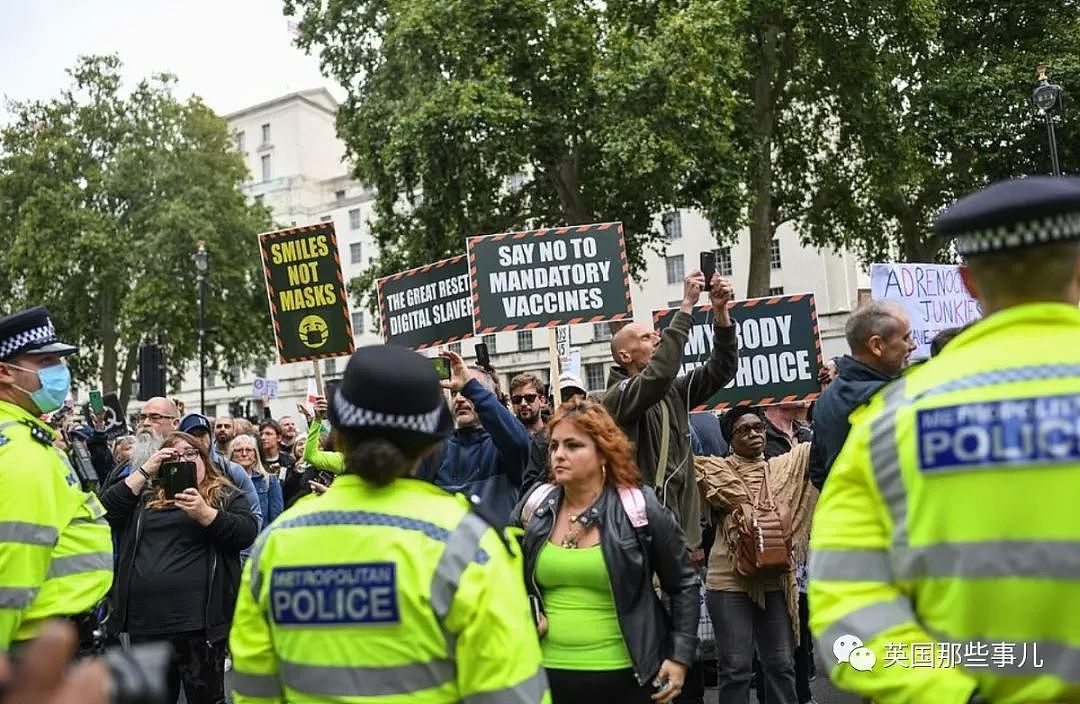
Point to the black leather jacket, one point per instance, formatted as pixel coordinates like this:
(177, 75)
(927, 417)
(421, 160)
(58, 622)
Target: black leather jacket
(650, 633)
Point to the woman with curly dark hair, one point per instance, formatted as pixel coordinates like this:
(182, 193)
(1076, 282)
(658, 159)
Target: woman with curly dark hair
(594, 539)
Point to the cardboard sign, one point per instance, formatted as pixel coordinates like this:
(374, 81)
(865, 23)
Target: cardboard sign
(932, 294)
(779, 350)
(115, 425)
(545, 278)
(426, 306)
(306, 290)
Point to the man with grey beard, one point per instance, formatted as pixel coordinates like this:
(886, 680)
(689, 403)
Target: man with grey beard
(158, 418)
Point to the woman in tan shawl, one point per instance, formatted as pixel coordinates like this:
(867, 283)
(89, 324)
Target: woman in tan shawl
(745, 610)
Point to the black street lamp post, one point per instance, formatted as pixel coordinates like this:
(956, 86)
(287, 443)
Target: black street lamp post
(1046, 99)
(202, 268)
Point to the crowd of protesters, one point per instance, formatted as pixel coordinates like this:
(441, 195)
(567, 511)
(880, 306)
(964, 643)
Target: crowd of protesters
(632, 509)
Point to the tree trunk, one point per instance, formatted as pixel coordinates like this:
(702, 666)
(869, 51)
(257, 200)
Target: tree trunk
(107, 333)
(564, 177)
(917, 246)
(130, 362)
(762, 227)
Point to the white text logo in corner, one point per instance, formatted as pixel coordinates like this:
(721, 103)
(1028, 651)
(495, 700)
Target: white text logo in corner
(850, 649)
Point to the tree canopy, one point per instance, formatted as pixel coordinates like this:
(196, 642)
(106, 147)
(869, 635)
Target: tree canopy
(103, 198)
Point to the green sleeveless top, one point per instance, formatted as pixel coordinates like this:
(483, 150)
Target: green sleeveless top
(583, 627)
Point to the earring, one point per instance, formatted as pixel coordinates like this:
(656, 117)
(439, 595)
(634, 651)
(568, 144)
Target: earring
(603, 473)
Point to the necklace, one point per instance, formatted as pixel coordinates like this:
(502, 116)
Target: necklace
(578, 524)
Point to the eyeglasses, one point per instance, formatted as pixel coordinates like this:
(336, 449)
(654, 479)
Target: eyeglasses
(245, 450)
(527, 398)
(153, 417)
(188, 454)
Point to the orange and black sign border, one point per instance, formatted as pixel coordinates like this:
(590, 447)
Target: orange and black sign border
(384, 319)
(765, 301)
(265, 239)
(478, 325)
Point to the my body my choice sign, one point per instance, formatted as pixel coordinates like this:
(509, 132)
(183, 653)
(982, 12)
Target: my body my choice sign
(426, 306)
(306, 291)
(779, 350)
(549, 277)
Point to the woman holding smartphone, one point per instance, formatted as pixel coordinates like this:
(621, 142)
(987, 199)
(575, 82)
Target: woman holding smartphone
(178, 563)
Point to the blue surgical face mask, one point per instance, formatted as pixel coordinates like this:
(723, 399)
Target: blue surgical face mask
(55, 385)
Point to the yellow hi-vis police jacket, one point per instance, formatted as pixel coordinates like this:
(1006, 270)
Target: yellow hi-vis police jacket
(384, 595)
(947, 537)
(55, 546)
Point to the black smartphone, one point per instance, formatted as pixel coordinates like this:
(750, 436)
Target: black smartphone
(177, 476)
(483, 359)
(537, 609)
(708, 266)
(442, 367)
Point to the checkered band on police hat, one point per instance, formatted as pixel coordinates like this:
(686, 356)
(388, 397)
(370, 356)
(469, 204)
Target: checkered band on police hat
(1013, 214)
(33, 337)
(352, 416)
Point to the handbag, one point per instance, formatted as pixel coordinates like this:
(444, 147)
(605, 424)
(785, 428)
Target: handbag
(763, 547)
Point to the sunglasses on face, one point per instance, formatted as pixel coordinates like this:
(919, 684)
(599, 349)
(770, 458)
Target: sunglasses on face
(527, 398)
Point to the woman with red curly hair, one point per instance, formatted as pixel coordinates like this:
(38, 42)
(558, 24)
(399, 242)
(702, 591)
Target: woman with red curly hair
(594, 539)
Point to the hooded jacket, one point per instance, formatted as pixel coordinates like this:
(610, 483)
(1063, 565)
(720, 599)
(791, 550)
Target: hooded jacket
(635, 404)
(854, 385)
(487, 461)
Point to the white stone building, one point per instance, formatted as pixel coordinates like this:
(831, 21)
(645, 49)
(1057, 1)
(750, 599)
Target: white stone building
(297, 168)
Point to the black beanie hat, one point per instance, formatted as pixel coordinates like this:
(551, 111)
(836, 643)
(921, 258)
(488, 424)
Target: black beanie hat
(727, 423)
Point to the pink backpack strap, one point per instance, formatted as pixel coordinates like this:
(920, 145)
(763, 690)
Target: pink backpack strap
(633, 503)
(537, 497)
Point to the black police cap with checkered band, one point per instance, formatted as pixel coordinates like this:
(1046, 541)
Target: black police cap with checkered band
(1013, 214)
(390, 391)
(30, 332)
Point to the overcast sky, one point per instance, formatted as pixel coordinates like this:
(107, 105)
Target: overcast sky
(233, 53)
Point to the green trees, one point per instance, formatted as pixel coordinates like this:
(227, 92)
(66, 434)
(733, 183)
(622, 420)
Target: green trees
(103, 197)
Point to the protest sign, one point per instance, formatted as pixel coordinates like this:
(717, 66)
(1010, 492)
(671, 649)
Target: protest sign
(264, 387)
(115, 425)
(779, 350)
(550, 277)
(426, 306)
(306, 291)
(932, 294)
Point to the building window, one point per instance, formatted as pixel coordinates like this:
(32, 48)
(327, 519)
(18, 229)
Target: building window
(357, 322)
(234, 376)
(330, 366)
(211, 379)
(489, 340)
(525, 340)
(265, 167)
(723, 261)
(776, 291)
(259, 198)
(326, 218)
(594, 376)
(672, 225)
(356, 252)
(601, 332)
(339, 195)
(240, 142)
(266, 133)
(211, 411)
(774, 253)
(676, 271)
(354, 219)
(454, 347)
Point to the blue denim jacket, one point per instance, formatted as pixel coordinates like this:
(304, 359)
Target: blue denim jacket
(271, 500)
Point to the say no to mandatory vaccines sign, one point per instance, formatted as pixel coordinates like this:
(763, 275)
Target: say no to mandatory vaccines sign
(306, 292)
(426, 306)
(549, 277)
(779, 350)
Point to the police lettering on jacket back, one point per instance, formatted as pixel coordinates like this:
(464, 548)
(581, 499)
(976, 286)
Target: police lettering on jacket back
(361, 593)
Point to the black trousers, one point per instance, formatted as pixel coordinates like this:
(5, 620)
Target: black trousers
(196, 665)
(596, 687)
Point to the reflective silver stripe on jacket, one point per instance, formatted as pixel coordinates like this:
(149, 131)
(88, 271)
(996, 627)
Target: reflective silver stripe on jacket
(885, 460)
(459, 552)
(530, 691)
(266, 686)
(353, 681)
(1033, 559)
(866, 623)
(28, 533)
(77, 564)
(17, 597)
